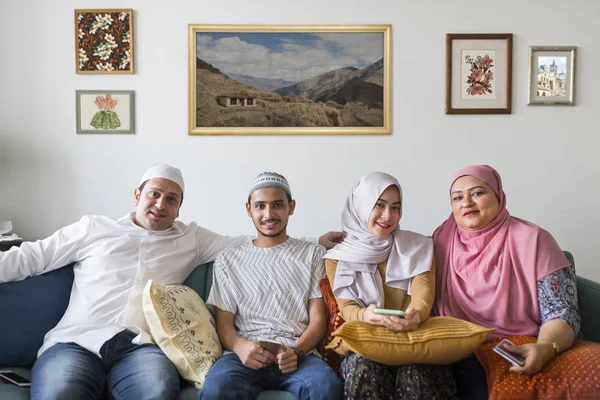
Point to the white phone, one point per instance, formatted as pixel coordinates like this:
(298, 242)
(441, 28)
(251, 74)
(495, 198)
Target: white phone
(387, 311)
(516, 359)
(15, 378)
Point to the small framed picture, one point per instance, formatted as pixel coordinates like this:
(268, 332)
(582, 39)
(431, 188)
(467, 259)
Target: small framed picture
(478, 73)
(105, 111)
(104, 41)
(551, 75)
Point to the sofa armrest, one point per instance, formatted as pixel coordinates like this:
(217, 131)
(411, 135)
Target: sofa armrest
(588, 297)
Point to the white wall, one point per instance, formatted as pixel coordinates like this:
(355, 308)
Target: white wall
(547, 156)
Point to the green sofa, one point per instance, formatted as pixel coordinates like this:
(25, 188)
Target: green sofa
(201, 279)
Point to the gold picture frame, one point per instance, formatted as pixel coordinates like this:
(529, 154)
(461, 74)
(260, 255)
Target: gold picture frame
(104, 41)
(289, 79)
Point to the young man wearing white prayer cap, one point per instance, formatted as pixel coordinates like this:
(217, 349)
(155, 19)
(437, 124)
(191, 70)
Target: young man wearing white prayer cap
(269, 290)
(101, 341)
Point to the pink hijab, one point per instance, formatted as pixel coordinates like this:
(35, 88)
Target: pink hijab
(490, 276)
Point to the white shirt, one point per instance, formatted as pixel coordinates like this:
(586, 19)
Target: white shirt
(114, 259)
(268, 288)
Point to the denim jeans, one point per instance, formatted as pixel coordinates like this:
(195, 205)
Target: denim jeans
(230, 379)
(126, 370)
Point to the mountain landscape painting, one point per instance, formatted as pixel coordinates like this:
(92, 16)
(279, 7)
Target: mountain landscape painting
(290, 79)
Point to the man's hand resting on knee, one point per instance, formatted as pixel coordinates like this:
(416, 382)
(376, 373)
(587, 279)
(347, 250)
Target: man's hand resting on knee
(252, 355)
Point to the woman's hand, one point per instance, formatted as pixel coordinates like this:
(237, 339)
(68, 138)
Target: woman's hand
(536, 355)
(372, 318)
(410, 322)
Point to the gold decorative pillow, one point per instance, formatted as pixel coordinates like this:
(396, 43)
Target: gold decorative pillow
(439, 340)
(184, 329)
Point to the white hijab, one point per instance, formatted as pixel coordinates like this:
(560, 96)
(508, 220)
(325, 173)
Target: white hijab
(408, 253)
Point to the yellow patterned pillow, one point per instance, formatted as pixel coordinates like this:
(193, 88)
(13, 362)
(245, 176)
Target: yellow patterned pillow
(439, 340)
(183, 328)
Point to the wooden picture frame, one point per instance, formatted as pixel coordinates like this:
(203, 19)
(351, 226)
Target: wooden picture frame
(551, 76)
(105, 111)
(104, 41)
(478, 73)
(289, 79)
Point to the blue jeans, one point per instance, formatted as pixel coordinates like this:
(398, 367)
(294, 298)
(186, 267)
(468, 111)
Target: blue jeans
(129, 371)
(230, 379)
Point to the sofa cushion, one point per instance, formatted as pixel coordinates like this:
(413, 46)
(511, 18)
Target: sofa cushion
(572, 375)
(29, 309)
(334, 321)
(439, 340)
(183, 328)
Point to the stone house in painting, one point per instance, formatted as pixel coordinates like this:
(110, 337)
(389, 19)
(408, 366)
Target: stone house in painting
(239, 99)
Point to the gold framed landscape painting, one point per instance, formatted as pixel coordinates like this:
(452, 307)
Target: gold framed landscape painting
(289, 79)
(478, 73)
(551, 75)
(104, 41)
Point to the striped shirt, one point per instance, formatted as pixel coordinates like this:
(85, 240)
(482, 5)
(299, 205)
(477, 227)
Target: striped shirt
(268, 289)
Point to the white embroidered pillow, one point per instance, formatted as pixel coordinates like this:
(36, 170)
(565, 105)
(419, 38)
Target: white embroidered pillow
(183, 328)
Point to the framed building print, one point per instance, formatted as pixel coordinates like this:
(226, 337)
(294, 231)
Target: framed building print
(551, 75)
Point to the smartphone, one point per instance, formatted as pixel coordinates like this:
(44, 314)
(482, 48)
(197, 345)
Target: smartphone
(271, 345)
(517, 359)
(15, 378)
(387, 311)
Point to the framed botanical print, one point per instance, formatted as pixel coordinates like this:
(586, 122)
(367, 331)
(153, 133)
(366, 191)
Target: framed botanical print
(478, 73)
(104, 41)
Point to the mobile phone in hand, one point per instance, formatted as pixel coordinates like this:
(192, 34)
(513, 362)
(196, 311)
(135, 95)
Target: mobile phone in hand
(387, 311)
(516, 359)
(15, 378)
(273, 346)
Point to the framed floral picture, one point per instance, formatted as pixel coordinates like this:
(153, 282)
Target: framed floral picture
(478, 73)
(290, 79)
(104, 41)
(551, 75)
(105, 111)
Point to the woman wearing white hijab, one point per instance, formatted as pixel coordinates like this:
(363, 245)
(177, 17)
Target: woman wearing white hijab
(380, 266)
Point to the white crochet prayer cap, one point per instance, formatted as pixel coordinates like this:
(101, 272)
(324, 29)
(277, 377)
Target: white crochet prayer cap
(270, 180)
(164, 171)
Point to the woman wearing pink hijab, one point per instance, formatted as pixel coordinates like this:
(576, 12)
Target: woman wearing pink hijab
(502, 272)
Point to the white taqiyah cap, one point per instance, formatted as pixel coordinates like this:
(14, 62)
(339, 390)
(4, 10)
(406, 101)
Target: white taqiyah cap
(164, 171)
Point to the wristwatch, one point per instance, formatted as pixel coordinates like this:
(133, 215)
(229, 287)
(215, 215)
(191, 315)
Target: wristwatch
(299, 353)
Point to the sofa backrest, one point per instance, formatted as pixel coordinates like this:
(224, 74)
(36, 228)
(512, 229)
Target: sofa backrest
(201, 280)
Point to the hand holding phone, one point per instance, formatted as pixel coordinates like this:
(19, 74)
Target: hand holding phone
(273, 346)
(387, 311)
(15, 378)
(516, 359)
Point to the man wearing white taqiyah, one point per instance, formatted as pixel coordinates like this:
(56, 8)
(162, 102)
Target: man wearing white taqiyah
(269, 289)
(101, 339)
